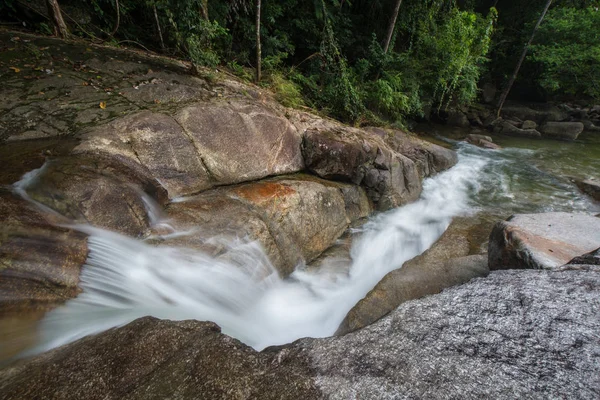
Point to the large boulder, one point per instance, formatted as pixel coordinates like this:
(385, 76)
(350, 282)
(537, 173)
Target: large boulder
(446, 263)
(40, 262)
(429, 158)
(542, 241)
(242, 141)
(355, 156)
(157, 142)
(204, 145)
(294, 218)
(102, 191)
(515, 334)
(389, 164)
(152, 359)
(562, 130)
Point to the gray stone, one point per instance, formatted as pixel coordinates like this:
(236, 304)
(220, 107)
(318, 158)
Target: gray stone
(157, 142)
(542, 241)
(529, 125)
(242, 141)
(515, 334)
(562, 130)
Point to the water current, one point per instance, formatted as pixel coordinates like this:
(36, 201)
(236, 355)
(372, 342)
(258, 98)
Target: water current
(125, 278)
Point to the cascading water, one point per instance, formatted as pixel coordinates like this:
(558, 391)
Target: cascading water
(126, 278)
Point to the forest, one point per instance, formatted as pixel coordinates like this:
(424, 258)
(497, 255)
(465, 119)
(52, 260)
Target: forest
(377, 61)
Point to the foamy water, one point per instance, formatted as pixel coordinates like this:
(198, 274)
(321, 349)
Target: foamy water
(125, 279)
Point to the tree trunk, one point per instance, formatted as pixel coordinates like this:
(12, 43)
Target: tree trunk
(60, 28)
(205, 9)
(162, 42)
(391, 28)
(258, 55)
(523, 55)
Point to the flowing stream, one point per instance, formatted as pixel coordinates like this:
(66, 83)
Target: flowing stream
(125, 279)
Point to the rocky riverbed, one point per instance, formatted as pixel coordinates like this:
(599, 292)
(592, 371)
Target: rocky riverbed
(131, 188)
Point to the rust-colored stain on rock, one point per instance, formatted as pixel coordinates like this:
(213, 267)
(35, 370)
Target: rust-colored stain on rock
(264, 191)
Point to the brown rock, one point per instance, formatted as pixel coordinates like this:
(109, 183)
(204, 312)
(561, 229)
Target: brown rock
(39, 262)
(98, 190)
(152, 359)
(443, 265)
(294, 218)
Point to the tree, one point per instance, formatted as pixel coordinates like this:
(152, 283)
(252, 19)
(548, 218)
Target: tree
(392, 26)
(258, 55)
(521, 59)
(60, 28)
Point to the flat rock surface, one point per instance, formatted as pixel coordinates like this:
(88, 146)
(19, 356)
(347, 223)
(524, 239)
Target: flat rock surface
(546, 240)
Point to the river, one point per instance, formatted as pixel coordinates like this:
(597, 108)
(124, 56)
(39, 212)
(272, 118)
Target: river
(126, 278)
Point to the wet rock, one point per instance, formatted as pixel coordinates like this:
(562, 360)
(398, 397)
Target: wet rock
(355, 156)
(542, 241)
(411, 282)
(293, 218)
(389, 164)
(101, 191)
(590, 187)
(239, 141)
(524, 334)
(445, 264)
(157, 142)
(39, 261)
(429, 158)
(562, 130)
(152, 359)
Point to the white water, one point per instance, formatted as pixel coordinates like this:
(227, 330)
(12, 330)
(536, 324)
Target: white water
(125, 279)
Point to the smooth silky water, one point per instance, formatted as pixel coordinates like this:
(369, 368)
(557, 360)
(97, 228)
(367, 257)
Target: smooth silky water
(125, 279)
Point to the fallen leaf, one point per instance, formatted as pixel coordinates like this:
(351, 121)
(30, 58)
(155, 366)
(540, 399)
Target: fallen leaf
(156, 101)
(15, 69)
(85, 84)
(103, 105)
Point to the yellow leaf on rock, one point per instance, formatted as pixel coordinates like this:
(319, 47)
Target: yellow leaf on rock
(15, 69)
(103, 105)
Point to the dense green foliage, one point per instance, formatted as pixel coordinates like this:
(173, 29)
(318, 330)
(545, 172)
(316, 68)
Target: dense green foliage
(328, 54)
